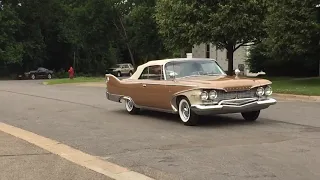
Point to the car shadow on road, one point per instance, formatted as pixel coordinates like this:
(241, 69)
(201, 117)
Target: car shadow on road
(204, 121)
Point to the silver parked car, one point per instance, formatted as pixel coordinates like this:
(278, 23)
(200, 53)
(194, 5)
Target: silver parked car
(121, 69)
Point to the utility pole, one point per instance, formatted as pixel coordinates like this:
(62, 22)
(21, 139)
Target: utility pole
(74, 60)
(318, 19)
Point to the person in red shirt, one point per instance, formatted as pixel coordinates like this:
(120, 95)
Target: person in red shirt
(71, 72)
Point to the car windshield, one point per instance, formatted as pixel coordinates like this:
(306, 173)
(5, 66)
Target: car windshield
(181, 69)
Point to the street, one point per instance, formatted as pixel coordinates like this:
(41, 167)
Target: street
(283, 144)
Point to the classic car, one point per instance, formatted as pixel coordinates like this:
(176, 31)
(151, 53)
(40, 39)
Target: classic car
(121, 69)
(39, 73)
(190, 87)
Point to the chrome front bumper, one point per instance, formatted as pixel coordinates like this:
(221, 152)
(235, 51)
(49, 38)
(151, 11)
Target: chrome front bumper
(223, 108)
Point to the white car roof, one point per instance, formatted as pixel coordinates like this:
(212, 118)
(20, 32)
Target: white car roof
(162, 62)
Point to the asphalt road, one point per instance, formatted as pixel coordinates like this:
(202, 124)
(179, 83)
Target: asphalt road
(283, 144)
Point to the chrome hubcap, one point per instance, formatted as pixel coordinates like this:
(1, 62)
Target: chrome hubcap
(129, 105)
(184, 110)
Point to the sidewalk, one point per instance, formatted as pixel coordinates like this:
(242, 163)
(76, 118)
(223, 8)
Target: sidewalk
(20, 160)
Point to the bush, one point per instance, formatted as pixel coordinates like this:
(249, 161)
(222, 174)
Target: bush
(61, 74)
(300, 65)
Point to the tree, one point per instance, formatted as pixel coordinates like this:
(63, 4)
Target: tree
(10, 50)
(292, 28)
(228, 24)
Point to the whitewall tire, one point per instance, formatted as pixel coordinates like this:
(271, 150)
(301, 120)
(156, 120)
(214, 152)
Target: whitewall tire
(131, 109)
(187, 116)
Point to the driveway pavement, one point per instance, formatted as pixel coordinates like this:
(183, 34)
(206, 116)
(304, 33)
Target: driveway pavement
(283, 144)
(21, 160)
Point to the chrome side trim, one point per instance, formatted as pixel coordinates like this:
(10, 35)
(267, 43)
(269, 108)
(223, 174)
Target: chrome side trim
(148, 108)
(120, 98)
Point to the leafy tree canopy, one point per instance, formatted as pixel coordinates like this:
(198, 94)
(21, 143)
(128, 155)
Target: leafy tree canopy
(228, 24)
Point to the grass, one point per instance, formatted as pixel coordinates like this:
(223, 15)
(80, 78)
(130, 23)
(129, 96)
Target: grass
(298, 86)
(74, 80)
(285, 85)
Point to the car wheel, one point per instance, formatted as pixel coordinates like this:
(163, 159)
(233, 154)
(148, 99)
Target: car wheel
(33, 77)
(251, 116)
(130, 73)
(49, 76)
(130, 107)
(187, 116)
(119, 74)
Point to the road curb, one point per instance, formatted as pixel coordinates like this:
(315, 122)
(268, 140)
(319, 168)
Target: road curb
(297, 97)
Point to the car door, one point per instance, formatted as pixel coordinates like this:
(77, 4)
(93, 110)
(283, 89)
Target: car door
(39, 72)
(126, 68)
(153, 88)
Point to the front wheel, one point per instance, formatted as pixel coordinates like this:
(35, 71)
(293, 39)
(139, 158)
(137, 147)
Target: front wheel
(251, 116)
(188, 117)
(49, 76)
(119, 74)
(130, 107)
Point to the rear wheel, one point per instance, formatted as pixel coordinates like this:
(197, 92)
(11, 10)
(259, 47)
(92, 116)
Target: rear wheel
(187, 116)
(251, 116)
(49, 76)
(130, 73)
(130, 107)
(119, 74)
(33, 76)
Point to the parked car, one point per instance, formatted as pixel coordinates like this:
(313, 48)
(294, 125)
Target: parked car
(190, 88)
(121, 69)
(39, 73)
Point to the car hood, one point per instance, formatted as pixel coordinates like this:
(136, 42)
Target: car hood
(223, 82)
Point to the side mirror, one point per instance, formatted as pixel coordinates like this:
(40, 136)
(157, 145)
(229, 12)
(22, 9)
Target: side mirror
(172, 74)
(237, 72)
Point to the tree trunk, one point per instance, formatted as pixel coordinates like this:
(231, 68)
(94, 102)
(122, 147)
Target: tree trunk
(131, 55)
(230, 50)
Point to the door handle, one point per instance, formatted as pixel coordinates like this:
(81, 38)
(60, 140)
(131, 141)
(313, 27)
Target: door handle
(144, 85)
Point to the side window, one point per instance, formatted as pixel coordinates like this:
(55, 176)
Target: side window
(152, 73)
(144, 74)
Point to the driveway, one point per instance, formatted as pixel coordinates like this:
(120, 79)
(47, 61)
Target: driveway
(283, 144)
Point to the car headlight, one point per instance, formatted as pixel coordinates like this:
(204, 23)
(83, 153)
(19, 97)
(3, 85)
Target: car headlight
(268, 91)
(204, 95)
(260, 91)
(213, 95)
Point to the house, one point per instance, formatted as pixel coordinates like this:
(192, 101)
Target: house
(210, 51)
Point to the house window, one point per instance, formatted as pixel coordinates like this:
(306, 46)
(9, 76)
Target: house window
(208, 51)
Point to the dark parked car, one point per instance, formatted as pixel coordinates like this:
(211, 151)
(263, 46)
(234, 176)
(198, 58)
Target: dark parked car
(39, 73)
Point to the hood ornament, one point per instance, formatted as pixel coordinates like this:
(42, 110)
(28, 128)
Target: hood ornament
(237, 72)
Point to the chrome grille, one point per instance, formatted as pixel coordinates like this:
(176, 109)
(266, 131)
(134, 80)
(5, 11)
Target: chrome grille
(236, 94)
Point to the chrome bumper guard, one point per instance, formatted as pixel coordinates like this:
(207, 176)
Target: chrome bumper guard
(228, 106)
(113, 97)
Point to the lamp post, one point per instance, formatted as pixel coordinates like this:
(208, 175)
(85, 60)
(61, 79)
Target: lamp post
(318, 20)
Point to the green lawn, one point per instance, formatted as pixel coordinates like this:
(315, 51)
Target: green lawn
(302, 86)
(285, 85)
(75, 80)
